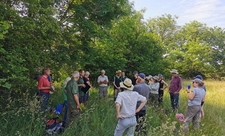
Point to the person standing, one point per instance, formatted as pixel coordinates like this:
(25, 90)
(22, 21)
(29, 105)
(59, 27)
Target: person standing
(103, 84)
(81, 85)
(194, 105)
(73, 99)
(116, 83)
(44, 86)
(143, 89)
(134, 78)
(123, 76)
(154, 91)
(202, 103)
(88, 86)
(126, 108)
(174, 90)
(161, 88)
(65, 99)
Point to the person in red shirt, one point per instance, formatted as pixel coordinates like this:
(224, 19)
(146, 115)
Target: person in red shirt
(45, 87)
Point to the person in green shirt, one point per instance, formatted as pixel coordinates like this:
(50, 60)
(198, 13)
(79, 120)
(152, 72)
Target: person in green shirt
(81, 85)
(65, 99)
(73, 99)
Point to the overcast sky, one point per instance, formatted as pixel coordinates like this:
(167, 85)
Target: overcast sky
(210, 12)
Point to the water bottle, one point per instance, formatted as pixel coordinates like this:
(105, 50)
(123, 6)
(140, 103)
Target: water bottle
(189, 86)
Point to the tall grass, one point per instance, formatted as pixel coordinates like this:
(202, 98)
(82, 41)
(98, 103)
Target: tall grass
(99, 118)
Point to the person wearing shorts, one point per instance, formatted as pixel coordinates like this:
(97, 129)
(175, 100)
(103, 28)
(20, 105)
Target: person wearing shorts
(103, 84)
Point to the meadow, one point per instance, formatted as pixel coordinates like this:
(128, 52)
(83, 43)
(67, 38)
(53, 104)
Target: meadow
(98, 118)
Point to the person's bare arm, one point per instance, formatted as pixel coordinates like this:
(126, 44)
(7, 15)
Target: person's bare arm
(77, 100)
(141, 106)
(44, 88)
(118, 111)
(166, 85)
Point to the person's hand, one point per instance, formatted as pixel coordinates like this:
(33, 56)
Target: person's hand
(175, 92)
(78, 106)
(118, 88)
(119, 117)
(161, 89)
(137, 111)
(188, 90)
(83, 85)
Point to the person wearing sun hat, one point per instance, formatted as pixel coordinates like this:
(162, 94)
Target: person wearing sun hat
(195, 97)
(116, 83)
(142, 88)
(202, 110)
(174, 89)
(126, 108)
(154, 91)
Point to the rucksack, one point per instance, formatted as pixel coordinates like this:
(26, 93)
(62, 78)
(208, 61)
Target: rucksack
(54, 125)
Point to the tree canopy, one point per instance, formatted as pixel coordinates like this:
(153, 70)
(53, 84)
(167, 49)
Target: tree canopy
(68, 35)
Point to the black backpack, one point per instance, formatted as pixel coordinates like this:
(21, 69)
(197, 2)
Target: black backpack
(54, 125)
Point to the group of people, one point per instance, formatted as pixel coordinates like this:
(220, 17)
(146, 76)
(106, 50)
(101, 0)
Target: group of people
(130, 96)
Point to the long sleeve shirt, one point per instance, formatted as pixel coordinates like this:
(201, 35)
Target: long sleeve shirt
(175, 84)
(154, 88)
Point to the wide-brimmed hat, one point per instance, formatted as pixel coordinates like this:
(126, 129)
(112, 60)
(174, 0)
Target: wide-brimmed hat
(118, 71)
(148, 77)
(156, 78)
(174, 71)
(197, 80)
(127, 84)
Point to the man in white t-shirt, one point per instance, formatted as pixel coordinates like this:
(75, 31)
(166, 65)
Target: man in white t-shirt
(103, 84)
(126, 102)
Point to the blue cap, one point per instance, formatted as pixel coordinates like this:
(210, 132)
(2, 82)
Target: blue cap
(142, 75)
(198, 77)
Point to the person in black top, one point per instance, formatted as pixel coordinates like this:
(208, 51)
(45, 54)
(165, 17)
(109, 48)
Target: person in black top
(134, 78)
(116, 83)
(161, 88)
(86, 89)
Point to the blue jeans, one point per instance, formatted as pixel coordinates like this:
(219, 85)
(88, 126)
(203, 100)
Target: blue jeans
(174, 98)
(125, 124)
(66, 111)
(44, 97)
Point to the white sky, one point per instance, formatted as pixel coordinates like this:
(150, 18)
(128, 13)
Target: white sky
(210, 12)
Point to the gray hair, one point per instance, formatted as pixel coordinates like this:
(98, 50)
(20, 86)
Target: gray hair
(87, 73)
(66, 81)
(76, 74)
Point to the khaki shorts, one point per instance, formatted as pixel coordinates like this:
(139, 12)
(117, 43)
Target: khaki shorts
(103, 91)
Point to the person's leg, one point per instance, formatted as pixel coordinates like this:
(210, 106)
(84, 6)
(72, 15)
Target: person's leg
(105, 91)
(140, 116)
(176, 102)
(101, 89)
(190, 113)
(132, 125)
(196, 120)
(160, 99)
(66, 112)
(73, 114)
(44, 102)
(121, 127)
(172, 100)
(115, 94)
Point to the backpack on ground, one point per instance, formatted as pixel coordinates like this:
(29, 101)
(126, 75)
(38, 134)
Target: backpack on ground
(54, 125)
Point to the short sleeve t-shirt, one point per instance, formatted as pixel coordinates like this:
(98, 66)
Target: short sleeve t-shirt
(128, 101)
(72, 88)
(199, 95)
(143, 89)
(43, 82)
(64, 93)
(100, 78)
(80, 81)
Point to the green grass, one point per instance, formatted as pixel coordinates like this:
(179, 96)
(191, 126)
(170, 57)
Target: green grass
(99, 119)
